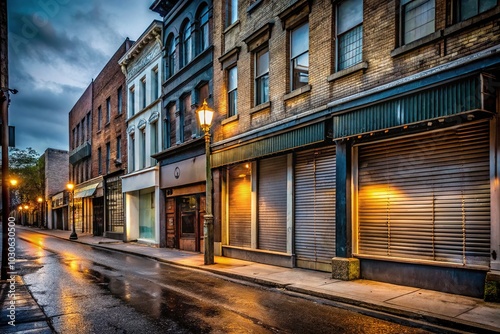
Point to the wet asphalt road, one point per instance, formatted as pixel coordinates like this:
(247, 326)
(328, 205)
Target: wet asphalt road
(91, 290)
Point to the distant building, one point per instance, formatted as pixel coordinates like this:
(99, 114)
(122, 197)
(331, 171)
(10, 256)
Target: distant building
(142, 65)
(55, 203)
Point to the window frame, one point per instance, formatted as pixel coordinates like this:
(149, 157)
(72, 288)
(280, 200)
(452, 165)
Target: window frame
(258, 100)
(231, 12)
(204, 28)
(458, 10)
(108, 110)
(170, 56)
(402, 31)
(232, 93)
(187, 43)
(131, 104)
(99, 118)
(339, 37)
(119, 100)
(143, 92)
(293, 84)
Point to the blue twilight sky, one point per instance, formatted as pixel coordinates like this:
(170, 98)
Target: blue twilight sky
(56, 47)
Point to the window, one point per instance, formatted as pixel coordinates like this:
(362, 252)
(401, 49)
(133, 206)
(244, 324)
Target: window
(417, 19)
(142, 149)
(108, 157)
(469, 8)
(89, 120)
(99, 161)
(299, 52)
(262, 76)
(131, 156)
(77, 135)
(74, 139)
(108, 109)
(83, 130)
(170, 56)
(186, 117)
(119, 148)
(232, 91)
(204, 29)
(99, 118)
(119, 100)
(187, 47)
(232, 12)
(114, 204)
(154, 84)
(171, 119)
(143, 93)
(131, 101)
(349, 33)
(154, 140)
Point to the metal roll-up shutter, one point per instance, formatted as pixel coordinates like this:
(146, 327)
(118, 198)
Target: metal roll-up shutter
(315, 208)
(272, 197)
(427, 197)
(240, 190)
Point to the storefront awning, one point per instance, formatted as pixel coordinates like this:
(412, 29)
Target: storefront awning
(462, 97)
(86, 191)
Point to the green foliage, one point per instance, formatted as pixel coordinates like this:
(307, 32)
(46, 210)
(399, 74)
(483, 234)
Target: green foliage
(28, 168)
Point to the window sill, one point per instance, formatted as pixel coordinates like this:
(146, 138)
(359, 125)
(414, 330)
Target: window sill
(253, 5)
(297, 92)
(416, 44)
(230, 119)
(358, 67)
(236, 23)
(260, 107)
(457, 27)
(118, 115)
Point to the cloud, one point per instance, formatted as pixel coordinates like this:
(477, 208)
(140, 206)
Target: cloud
(55, 49)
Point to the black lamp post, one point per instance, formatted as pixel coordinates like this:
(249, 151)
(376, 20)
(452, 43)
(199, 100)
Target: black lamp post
(5, 100)
(71, 187)
(205, 116)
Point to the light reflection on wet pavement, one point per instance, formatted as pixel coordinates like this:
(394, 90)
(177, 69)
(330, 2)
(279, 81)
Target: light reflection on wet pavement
(87, 290)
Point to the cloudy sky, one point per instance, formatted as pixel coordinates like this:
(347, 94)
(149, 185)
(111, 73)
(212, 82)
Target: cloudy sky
(56, 47)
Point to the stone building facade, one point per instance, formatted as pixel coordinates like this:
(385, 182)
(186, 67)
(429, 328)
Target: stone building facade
(142, 65)
(54, 205)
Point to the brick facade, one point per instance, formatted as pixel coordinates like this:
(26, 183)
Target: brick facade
(106, 86)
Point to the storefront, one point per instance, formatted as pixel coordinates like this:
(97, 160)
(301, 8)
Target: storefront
(115, 220)
(268, 188)
(88, 207)
(422, 202)
(183, 183)
(140, 190)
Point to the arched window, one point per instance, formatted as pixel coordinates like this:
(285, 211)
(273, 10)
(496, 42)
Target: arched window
(170, 56)
(187, 44)
(203, 32)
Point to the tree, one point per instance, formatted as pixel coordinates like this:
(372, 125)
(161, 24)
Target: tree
(28, 168)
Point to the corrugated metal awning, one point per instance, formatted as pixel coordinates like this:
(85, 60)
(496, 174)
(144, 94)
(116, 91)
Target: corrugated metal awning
(86, 191)
(303, 136)
(434, 103)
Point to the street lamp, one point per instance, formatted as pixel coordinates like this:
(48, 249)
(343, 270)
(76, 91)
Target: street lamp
(40, 200)
(205, 115)
(71, 187)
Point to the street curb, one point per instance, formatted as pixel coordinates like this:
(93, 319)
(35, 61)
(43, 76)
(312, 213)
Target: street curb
(401, 315)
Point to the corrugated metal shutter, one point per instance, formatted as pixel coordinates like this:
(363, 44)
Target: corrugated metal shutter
(427, 197)
(272, 197)
(315, 208)
(240, 190)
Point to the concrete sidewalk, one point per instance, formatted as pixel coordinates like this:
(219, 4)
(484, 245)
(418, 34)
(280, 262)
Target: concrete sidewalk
(440, 309)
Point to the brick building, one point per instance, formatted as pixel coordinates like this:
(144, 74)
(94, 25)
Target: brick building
(359, 137)
(98, 155)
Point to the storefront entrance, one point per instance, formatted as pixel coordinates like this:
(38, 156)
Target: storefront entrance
(185, 222)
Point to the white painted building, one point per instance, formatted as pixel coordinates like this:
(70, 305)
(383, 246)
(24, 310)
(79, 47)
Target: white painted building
(143, 70)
